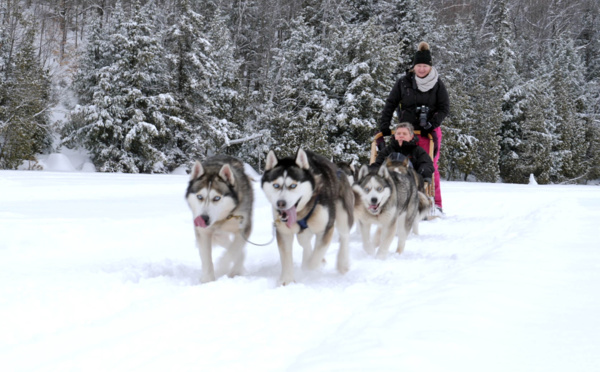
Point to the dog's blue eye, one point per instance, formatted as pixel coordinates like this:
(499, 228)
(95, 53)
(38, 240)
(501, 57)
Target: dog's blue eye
(200, 197)
(293, 186)
(379, 188)
(367, 189)
(276, 185)
(216, 198)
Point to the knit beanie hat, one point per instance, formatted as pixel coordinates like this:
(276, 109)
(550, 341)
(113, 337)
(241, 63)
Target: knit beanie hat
(423, 54)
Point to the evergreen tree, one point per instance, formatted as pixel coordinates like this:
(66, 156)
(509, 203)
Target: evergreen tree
(510, 92)
(24, 107)
(300, 103)
(188, 57)
(590, 40)
(127, 126)
(458, 61)
(537, 135)
(408, 22)
(227, 107)
(593, 152)
(488, 116)
(360, 11)
(97, 54)
(363, 81)
(567, 83)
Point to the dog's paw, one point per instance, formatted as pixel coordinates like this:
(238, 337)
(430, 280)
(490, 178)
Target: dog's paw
(283, 281)
(207, 278)
(234, 273)
(381, 255)
(343, 267)
(315, 264)
(369, 250)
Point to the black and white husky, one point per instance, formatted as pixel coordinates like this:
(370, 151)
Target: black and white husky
(220, 196)
(309, 196)
(388, 200)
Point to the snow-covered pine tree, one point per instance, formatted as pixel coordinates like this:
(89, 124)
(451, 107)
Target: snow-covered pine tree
(97, 54)
(362, 79)
(321, 15)
(94, 101)
(230, 118)
(191, 70)
(126, 128)
(589, 39)
(537, 133)
(457, 60)
(568, 84)
(509, 90)
(593, 153)
(25, 99)
(300, 101)
(408, 22)
(487, 93)
(234, 109)
(361, 11)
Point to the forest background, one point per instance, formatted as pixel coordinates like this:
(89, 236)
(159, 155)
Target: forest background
(150, 86)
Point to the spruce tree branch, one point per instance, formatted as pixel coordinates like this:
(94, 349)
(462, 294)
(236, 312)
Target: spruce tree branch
(239, 140)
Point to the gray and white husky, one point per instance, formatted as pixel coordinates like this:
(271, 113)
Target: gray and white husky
(426, 203)
(388, 200)
(220, 196)
(309, 197)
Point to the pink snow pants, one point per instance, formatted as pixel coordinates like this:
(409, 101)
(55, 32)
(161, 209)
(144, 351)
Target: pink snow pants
(424, 143)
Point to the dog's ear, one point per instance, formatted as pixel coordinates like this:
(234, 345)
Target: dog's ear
(364, 170)
(358, 191)
(318, 184)
(302, 159)
(227, 174)
(406, 162)
(388, 162)
(197, 170)
(271, 161)
(383, 172)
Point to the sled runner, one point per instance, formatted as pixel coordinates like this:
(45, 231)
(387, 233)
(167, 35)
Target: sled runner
(429, 188)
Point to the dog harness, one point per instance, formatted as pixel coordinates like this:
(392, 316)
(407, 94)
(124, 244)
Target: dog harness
(304, 222)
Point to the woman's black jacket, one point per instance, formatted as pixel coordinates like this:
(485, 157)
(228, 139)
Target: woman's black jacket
(406, 98)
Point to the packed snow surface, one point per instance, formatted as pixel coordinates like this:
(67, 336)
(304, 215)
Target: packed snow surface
(99, 272)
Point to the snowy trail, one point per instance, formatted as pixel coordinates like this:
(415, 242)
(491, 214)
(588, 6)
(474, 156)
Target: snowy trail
(100, 272)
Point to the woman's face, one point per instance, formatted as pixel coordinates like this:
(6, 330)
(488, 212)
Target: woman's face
(403, 134)
(422, 70)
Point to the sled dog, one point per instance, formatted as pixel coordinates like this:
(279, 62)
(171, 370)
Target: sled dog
(426, 203)
(348, 170)
(220, 196)
(389, 200)
(309, 198)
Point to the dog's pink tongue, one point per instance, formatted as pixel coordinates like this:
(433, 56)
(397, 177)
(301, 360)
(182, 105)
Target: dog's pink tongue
(291, 217)
(199, 221)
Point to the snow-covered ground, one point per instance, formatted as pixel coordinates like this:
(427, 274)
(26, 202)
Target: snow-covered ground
(99, 272)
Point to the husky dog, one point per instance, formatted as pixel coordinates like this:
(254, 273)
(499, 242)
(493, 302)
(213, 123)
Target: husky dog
(388, 200)
(220, 196)
(348, 170)
(308, 198)
(426, 203)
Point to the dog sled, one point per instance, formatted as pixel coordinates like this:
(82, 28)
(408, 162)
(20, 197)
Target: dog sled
(429, 187)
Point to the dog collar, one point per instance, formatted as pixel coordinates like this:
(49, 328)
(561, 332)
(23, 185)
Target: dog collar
(304, 222)
(231, 216)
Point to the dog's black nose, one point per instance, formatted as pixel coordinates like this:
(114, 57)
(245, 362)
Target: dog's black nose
(373, 200)
(281, 204)
(206, 219)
